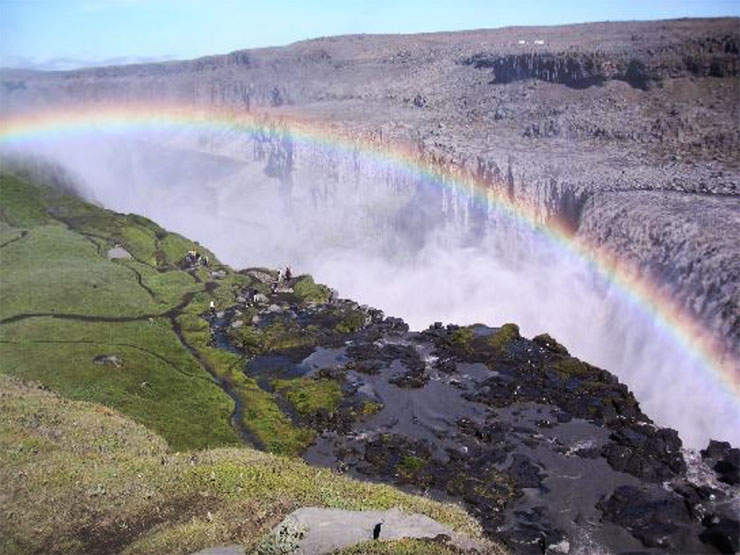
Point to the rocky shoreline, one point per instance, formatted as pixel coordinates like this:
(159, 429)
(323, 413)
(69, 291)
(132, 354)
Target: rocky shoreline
(551, 454)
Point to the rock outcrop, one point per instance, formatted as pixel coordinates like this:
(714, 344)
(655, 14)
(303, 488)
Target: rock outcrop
(485, 416)
(316, 531)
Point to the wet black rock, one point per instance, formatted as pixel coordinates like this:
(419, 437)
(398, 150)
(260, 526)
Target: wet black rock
(658, 518)
(490, 419)
(725, 461)
(524, 472)
(699, 500)
(650, 453)
(548, 342)
(587, 453)
(724, 535)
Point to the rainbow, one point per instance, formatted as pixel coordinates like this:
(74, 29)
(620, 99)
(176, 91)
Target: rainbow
(637, 289)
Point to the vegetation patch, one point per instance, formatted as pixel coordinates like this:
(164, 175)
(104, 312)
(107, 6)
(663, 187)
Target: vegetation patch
(351, 321)
(74, 471)
(462, 340)
(410, 465)
(311, 396)
(573, 367)
(308, 291)
(548, 342)
(281, 334)
(157, 382)
(260, 414)
(368, 408)
(503, 336)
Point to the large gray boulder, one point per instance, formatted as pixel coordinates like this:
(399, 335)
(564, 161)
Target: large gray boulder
(312, 530)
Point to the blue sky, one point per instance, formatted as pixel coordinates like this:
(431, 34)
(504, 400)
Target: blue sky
(67, 33)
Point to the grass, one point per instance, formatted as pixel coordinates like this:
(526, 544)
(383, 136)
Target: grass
(80, 476)
(308, 291)
(311, 396)
(56, 270)
(158, 383)
(168, 287)
(503, 336)
(61, 267)
(262, 415)
(410, 465)
(21, 206)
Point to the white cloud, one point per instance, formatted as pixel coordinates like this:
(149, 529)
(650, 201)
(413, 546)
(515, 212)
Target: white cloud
(63, 63)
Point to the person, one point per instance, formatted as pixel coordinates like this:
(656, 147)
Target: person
(288, 273)
(212, 306)
(280, 275)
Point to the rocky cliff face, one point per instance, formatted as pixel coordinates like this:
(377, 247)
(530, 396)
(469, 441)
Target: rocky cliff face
(557, 117)
(715, 56)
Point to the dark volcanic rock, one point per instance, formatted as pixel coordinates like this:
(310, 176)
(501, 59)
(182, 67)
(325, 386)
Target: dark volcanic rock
(651, 454)
(657, 518)
(524, 472)
(487, 417)
(586, 69)
(725, 461)
(724, 534)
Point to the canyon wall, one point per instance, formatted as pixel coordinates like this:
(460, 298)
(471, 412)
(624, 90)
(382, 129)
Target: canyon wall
(621, 129)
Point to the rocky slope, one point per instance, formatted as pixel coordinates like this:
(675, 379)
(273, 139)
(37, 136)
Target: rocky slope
(557, 116)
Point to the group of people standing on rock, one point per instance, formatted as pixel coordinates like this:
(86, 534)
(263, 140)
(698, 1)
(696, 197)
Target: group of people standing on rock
(285, 275)
(282, 276)
(194, 259)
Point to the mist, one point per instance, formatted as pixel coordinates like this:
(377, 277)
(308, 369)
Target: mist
(399, 243)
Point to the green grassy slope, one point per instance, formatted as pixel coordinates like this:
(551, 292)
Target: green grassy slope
(64, 304)
(80, 478)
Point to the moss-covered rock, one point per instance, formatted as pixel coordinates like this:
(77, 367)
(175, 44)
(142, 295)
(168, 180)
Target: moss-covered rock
(311, 396)
(503, 336)
(308, 291)
(548, 342)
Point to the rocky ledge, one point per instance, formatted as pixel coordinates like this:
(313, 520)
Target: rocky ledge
(551, 454)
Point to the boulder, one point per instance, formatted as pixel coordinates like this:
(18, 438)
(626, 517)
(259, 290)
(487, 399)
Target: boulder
(657, 517)
(316, 531)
